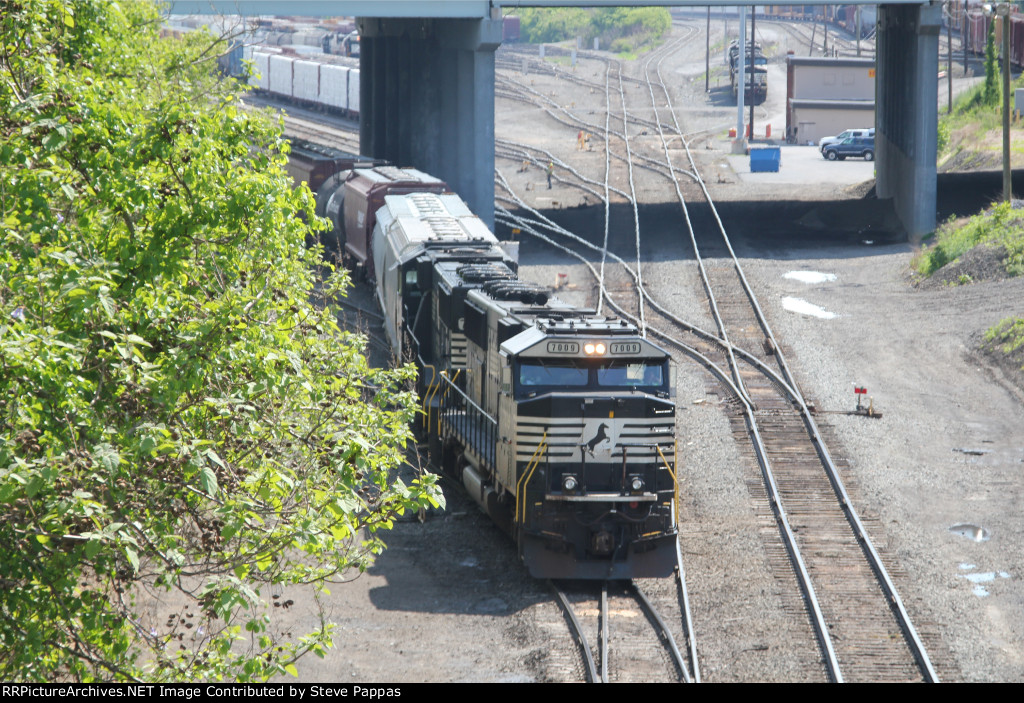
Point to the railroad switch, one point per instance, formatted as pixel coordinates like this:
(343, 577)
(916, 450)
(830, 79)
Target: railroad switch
(869, 410)
(861, 409)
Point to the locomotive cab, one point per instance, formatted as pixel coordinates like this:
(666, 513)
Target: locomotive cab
(590, 450)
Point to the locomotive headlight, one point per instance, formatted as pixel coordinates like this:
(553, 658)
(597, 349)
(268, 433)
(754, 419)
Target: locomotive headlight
(588, 348)
(594, 348)
(569, 483)
(636, 483)
(599, 348)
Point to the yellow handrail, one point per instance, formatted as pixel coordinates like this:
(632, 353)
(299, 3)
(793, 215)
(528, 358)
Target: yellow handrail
(675, 481)
(525, 478)
(430, 395)
(452, 381)
(426, 393)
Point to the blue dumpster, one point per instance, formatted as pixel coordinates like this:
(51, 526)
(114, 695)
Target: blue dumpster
(765, 159)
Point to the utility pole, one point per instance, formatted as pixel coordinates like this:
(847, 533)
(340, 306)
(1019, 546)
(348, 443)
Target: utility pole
(707, 54)
(857, 30)
(964, 28)
(753, 73)
(1007, 181)
(949, 58)
(740, 145)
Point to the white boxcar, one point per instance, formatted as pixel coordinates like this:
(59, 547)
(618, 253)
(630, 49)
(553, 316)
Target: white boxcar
(334, 86)
(281, 75)
(306, 80)
(260, 77)
(353, 92)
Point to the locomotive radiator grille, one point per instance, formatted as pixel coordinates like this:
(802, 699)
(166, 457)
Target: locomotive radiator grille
(638, 438)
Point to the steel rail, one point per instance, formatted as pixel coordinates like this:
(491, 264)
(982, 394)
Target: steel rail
(526, 149)
(721, 374)
(885, 581)
(632, 200)
(573, 121)
(785, 385)
(751, 420)
(762, 456)
(603, 625)
(684, 595)
(607, 176)
(677, 656)
(590, 667)
(693, 239)
(545, 222)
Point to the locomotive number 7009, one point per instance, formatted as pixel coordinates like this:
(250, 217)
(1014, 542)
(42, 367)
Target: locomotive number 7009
(624, 347)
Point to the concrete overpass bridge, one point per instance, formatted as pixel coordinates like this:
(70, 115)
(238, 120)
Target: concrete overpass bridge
(427, 92)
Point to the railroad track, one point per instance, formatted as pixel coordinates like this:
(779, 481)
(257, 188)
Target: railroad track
(641, 647)
(801, 485)
(860, 620)
(312, 125)
(861, 628)
(625, 635)
(812, 39)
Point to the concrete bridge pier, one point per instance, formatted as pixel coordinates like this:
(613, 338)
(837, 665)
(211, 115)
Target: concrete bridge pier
(427, 100)
(906, 112)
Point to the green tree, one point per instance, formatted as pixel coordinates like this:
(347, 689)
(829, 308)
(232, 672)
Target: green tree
(992, 91)
(179, 419)
(552, 24)
(640, 25)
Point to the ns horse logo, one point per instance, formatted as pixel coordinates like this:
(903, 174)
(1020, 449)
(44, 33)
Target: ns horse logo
(598, 439)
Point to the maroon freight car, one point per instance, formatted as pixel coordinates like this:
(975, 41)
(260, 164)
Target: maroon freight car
(350, 200)
(313, 164)
(510, 29)
(977, 35)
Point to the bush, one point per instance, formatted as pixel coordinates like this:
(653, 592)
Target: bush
(178, 419)
(1000, 225)
(943, 136)
(634, 26)
(1009, 333)
(1007, 338)
(991, 91)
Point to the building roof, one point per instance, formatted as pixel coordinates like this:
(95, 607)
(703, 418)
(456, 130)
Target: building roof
(826, 61)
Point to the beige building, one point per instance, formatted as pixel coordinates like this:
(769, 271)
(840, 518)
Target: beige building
(825, 96)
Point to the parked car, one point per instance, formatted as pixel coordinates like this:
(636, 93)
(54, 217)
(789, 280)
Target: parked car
(852, 146)
(857, 133)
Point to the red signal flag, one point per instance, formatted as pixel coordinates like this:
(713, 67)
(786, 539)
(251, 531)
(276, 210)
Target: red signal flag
(859, 390)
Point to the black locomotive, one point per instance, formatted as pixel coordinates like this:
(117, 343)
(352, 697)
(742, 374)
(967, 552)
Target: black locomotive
(558, 421)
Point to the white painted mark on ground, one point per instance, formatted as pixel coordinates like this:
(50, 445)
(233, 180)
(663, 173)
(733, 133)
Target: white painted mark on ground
(980, 578)
(810, 276)
(805, 308)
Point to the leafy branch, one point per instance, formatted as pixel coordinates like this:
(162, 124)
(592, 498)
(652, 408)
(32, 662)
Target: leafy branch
(180, 423)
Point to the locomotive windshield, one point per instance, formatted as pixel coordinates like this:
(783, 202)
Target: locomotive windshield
(630, 374)
(549, 375)
(560, 372)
